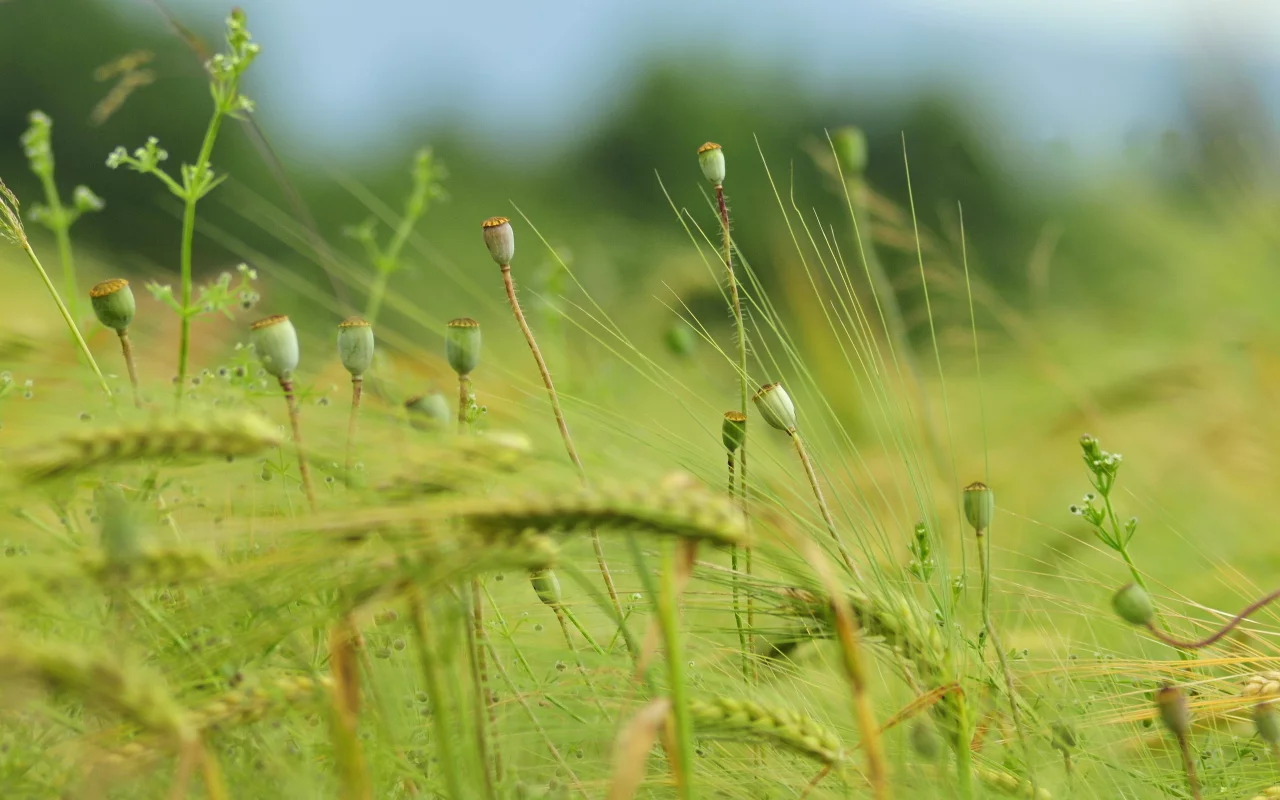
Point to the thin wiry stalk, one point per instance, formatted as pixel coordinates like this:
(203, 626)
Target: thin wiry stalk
(304, 469)
(984, 561)
(62, 233)
(1189, 764)
(564, 428)
(126, 347)
(357, 389)
(475, 639)
(743, 395)
(845, 555)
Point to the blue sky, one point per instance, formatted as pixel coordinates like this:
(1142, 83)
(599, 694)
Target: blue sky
(338, 72)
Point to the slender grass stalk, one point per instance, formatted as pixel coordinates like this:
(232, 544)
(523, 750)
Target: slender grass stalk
(669, 616)
(346, 711)
(428, 658)
(304, 469)
(733, 433)
(188, 240)
(11, 228)
(62, 234)
(501, 241)
(488, 726)
(426, 187)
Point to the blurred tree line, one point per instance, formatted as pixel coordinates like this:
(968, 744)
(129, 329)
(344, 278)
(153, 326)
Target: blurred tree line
(600, 194)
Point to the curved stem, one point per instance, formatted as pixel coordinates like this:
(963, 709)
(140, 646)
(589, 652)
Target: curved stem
(1221, 632)
(304, 469)
(127, 349)
(822, 502)
(357, 389)
(564, 428)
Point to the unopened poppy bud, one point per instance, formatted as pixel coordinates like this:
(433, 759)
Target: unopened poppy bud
(1267, 722)
(1133, 604)
(276, 341)
(733, 431)
(711, 159)
(355, 345)
(979, 505)
(547, 586)
(462, 345)
(775, 406)
(925, 741)
(113, 303)
(1172, 705)
(1064, 736)
(851, 150)
(119, 532)
(500, 239)
(427, 411)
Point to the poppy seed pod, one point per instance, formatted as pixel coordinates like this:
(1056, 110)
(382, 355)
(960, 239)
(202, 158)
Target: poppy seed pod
(711, 159)
(427, 411)
(851, 150)
(500, 239)
(113, 303)
(925, 741)
(276, 341)
(1172, 705)
(547, 586)
(1267, 722)
(775, 406)
(733, 431)
(355, 345)
(1133, 604)
(462, 345)
(979, 505)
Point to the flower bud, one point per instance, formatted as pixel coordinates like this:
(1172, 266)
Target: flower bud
(500, 239)
(113, 303)
(775, 407)
(1267, 722)
(355, 345)
(711, 159)
(925, 741)
(547, 586)
(979, 505)
(1133, 604)
(428, 411)
(276, 341)
(462, 345)
(733, 431)
(851, 150)
(1172, 705)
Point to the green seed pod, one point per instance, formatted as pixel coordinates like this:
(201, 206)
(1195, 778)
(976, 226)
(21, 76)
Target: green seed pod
(775, 406)
(462, 345)
(925, 740)
(500, 239)
(355, 345)
(1267, 722)
(1172, 704)
(429, 411)
(1133, 604)
(113, 303)
(711, 159)
(733, 431)
(119, 531)
(1064, 736)
(979, 505)
(547, 586)
(276, 341)
(851, 150)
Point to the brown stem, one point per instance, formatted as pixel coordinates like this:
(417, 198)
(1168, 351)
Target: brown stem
(357, 388)
(126, 347)
(564, 428)
(1223, 631)
(464, 390)
(1189, 764)
(303, 467)
(822, 503)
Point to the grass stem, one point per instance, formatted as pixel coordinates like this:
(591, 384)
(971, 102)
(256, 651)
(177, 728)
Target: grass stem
(809, 472)
(444, 733)
(66, 317)
(669, 619)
